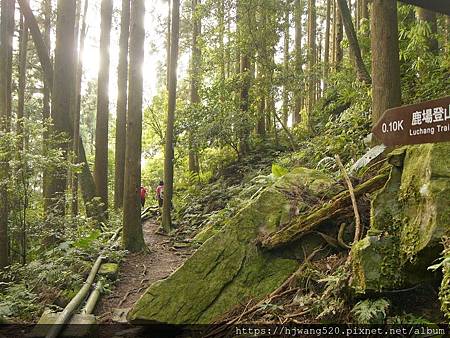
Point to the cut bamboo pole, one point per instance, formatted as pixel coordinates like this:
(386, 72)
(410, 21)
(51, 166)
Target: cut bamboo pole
(92, 300)
(68, 311)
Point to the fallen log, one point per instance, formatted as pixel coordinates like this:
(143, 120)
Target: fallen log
(336, 206)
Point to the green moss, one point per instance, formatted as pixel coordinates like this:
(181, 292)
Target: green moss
(109, 270)
(228, 268)
(409, 216)
(206, 233)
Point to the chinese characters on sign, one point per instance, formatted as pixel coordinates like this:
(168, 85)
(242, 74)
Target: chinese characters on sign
(426, 122)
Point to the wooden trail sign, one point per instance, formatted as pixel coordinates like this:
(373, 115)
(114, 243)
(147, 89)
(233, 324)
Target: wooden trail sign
(426, 122)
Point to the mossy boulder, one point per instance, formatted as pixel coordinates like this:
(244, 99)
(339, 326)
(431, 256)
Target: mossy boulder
(228, 268)
(409, 217)
(206, 233)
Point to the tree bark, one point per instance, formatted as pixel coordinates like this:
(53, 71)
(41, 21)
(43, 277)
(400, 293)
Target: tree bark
(42, 47)
(285, 114)
(326, 61)
(361, 70)
(133, 238)
(386, 92)
(298, 60)
(339, 36)
(47, 73)
(311, 58)
(23, 52)
(195, 77)
(63, 86)
(429, 17)
(169, 151)
(122, 81)
(86, 179)
(77, 108)
(6, 39)
(365, 9)
(101, 128)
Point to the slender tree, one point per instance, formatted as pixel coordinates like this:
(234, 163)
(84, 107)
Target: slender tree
(339, 53)
(298, 59)
(326, 60)
(169, 151)
(122, 80)
(286, 61)
(61, 96)
(195, 77)
(386, 92)
(311, 57)
(23, 52)
(22, 138)
(133, 238)
(6, 38)
(361, 70)
(77, 107)
(365, 9)
(47, 71)
(101, 127)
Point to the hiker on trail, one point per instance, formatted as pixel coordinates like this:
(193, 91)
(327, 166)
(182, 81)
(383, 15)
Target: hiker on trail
(143, 195)
(160, 193)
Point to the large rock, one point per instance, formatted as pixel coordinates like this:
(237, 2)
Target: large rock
(228, 268)
(409, 217)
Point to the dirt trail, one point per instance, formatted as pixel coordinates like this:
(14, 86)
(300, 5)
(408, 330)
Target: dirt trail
(139, 270)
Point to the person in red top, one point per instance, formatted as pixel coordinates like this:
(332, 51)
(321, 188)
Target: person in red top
(160, 193)
(143, 195)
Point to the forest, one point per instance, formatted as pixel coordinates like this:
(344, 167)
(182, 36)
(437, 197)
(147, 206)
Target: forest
(224, 162)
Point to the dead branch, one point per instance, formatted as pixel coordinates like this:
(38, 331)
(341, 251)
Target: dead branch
(352, 196)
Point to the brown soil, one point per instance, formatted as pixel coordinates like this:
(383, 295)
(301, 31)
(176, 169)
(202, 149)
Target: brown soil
(139, 270)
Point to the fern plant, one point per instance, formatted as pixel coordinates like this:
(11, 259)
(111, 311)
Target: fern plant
(371, 311)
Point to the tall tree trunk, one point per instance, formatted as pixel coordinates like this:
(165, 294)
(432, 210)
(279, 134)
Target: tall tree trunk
(101, 128)
(285, 114)
(386, 92)
(86, 179)
(326, 61)
(339, 36)
(122, 81)
(261, 100)
(77, 108)
(47, 78)
(365, 9)
(63, 85)
(429, 17)
(311, 58)
(195, 77)
(361, 70)
(6, 38)
(298, 60)
(22, 138)
(133, 238)
(169, 35)
(221, 17)
(169, 151)
(23, 52)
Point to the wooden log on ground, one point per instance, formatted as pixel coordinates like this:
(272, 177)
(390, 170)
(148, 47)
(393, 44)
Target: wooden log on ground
(335, 207)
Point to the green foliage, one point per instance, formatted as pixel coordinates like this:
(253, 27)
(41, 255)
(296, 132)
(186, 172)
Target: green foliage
(278, 171)
(27, 289)
(371, 311)
(342, 135)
